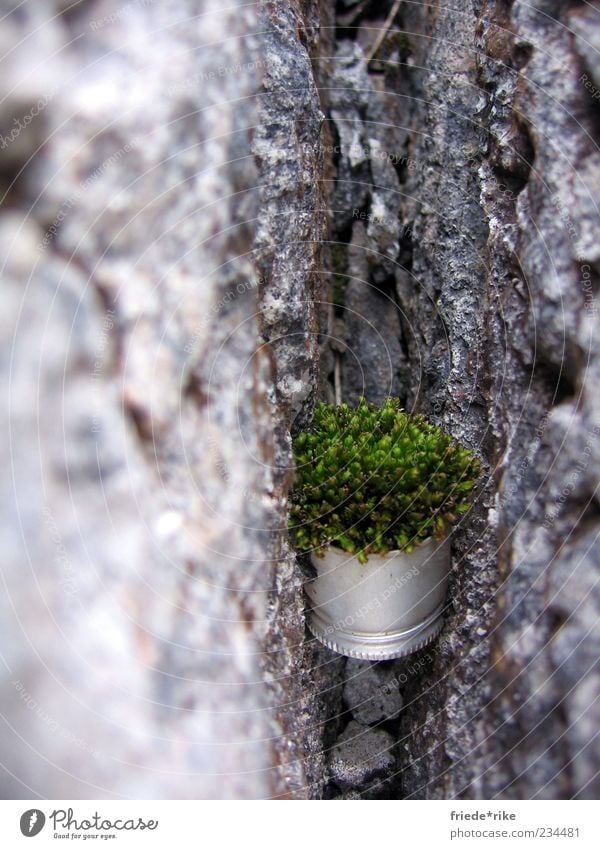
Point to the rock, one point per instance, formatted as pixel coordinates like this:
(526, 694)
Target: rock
(361, 757)
(146, 427)
(373, 359)
(292, 223)
(367, 232)
(287, 251)
(496, 276)
(500, 249)
(371, 692)
(181, 283)
(583, 22)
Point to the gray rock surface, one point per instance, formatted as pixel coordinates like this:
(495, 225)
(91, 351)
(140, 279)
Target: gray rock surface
(496, 290)
(290, 231)
(365, 206)
(181, 282)
(371, 692)
(361, 757)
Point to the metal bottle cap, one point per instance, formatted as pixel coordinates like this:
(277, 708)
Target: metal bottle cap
(388, 607)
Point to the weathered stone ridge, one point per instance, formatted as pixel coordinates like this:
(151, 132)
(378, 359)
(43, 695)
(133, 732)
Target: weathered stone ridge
(290, 233)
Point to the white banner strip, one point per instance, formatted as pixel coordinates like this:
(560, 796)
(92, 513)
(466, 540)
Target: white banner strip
(388, 824)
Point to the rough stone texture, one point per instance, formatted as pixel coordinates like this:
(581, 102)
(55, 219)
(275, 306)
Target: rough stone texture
(361, 757)
(443, 292)
(292, 215)
(365, 234)
(170, 275)
(547, 611)
(144, 417)
(290, 232)
(495, 279)
(371, 692)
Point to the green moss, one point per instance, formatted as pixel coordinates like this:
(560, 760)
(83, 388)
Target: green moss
(375, 479)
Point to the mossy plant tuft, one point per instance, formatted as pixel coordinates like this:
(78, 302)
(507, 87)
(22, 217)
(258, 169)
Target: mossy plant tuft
(375, 479)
